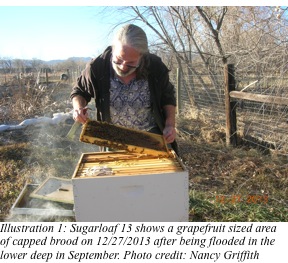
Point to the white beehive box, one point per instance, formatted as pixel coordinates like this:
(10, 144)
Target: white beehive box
(123, 187)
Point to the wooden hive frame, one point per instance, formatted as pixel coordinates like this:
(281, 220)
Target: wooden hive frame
(121, 163)
(122, 138)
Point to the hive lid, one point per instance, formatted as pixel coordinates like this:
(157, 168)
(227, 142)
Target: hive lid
(122, 138)
(29, 206)
(55, 189)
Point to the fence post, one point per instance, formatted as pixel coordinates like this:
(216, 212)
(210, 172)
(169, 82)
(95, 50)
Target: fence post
(178, 90)
(230, 107)
(46, 75)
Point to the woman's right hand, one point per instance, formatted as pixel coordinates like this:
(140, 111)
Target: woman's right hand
(80, 115)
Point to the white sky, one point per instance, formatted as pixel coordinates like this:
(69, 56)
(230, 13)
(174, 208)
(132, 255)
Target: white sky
(60, 31)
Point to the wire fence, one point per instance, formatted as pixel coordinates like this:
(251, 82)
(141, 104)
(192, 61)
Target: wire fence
(262, 124)
(34, 79)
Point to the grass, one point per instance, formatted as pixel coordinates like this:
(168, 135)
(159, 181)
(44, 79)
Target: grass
(12, 165)
(221, 178)
(206, 209)
(232, 184)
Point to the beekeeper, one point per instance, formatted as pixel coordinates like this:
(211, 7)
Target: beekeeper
(130, 87)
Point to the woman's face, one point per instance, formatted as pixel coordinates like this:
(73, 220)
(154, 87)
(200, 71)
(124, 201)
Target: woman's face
(125, 59)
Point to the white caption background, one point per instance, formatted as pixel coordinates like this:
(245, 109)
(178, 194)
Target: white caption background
(160, 242)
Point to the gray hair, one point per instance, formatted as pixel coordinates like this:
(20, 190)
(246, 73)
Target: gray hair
(133, 36)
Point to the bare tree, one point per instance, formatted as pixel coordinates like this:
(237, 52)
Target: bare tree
(19, 65)
(179, 31)
(203, 39)
(36, 64)
(6, 65)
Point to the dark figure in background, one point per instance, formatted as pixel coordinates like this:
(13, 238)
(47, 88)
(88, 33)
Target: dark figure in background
(130, 86)
(64, 77)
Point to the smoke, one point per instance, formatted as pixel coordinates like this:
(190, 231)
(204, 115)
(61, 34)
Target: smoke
(50, 154)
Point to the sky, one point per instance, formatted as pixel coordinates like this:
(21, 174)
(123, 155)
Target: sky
(60, 31)
(52, 32)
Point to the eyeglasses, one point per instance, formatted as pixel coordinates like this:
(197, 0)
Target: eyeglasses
(120, 62)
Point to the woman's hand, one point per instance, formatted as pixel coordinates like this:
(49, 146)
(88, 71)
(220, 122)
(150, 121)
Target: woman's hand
(80, 115)
(169, 134)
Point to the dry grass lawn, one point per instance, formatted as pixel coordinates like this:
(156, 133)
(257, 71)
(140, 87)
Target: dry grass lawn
(226, 184)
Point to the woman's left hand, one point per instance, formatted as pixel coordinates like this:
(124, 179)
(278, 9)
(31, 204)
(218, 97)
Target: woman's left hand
(169, 134)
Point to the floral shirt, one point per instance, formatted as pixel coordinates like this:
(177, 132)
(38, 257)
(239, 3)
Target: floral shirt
(130, 104)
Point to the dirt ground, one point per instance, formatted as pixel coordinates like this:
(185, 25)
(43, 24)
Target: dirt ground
(218, 172)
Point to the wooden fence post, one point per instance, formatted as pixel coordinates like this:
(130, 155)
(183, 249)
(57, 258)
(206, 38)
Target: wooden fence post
(230, 107)
(46, 75)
